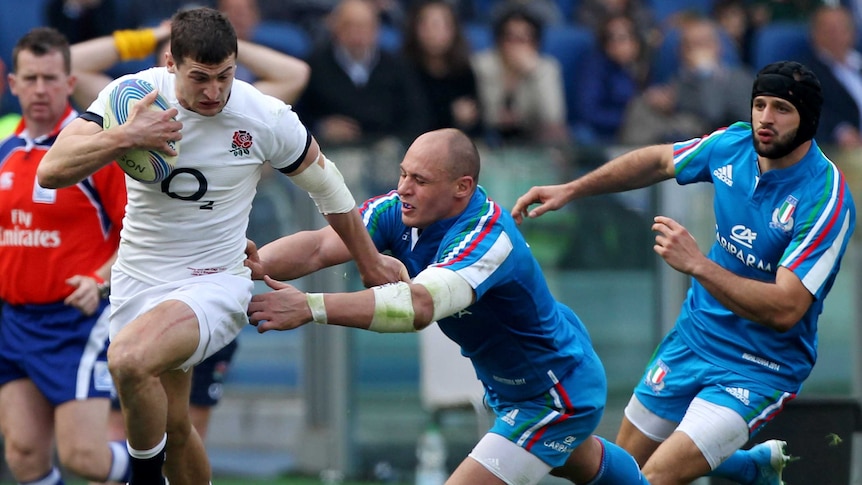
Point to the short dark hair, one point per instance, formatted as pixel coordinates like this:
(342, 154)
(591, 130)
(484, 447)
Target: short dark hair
(41, 41)
(516, 10)
(202, 34)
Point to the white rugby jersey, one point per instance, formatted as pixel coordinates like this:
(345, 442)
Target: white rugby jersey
(194, 222)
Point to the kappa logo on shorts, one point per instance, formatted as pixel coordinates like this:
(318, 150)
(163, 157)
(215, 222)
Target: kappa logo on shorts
(655, 376)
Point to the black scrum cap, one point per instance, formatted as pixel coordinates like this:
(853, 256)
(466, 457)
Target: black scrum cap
(797, 84)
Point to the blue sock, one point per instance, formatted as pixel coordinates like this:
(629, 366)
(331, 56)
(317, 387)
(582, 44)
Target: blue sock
(739, 467)
(618, 467)
(52, 478)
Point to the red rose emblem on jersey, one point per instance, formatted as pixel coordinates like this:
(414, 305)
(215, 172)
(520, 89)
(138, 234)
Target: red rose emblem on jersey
(242, 141)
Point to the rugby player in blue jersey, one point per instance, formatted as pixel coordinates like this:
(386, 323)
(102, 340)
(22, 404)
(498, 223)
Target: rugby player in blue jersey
(474, 274)
(746, 337)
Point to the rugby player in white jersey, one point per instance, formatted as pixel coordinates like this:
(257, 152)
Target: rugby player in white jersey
(179, 287)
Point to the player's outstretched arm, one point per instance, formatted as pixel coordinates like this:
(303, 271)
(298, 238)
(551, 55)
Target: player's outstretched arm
(297, 255)
(392, 308)
(324, 183)
(633, 170)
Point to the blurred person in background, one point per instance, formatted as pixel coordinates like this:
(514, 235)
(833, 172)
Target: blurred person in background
(593, 14)
(705, 93)
(435, 44)
(80, 20)
(55, 263)
(734, 19)
(838, 65)
(359, 92)
(618, 68)
(520, 89)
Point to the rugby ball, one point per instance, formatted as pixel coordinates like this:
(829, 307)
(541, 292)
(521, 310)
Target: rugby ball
(147, 166)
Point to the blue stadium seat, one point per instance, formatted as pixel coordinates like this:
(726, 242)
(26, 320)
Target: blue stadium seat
(479, 36)
(567, 9)
(665, 9)
(283, 36)
(570, 45)
(390, 38)
(780, 41)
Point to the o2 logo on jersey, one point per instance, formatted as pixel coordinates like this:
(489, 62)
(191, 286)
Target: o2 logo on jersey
(782, 217)
(193, 197)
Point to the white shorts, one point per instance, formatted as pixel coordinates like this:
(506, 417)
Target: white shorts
(508, 461)
(219, 301)
(717, 431)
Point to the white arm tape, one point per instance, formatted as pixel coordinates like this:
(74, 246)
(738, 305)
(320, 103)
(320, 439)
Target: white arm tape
(317, 307)
(393, 309)
(326, 187)
(450, 292)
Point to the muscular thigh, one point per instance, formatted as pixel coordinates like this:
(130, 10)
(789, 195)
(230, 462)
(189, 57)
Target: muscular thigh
(82, 421)
(26, 417)
(214, 309)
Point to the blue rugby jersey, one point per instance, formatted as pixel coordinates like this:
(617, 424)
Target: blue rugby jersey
(800, 217)
(519, 338)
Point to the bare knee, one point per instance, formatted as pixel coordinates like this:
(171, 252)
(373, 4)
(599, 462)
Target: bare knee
(27, 462)
(127, 363)
(89, 460)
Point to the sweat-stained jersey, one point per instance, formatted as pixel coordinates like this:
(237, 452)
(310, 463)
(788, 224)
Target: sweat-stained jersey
(49, 235)
(519, 338)
(194, 222)
(800, 217)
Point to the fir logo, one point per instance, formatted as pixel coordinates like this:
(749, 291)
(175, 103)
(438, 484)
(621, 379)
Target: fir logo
(782, 217)
(241, 143)
(725, 174)
(655, 376)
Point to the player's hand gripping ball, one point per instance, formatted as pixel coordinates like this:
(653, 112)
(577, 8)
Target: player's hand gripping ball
(147, 166)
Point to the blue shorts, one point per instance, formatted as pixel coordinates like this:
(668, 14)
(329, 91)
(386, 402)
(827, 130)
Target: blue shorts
(676, 375)
(63, 351)
(553, 424)
(209, 375)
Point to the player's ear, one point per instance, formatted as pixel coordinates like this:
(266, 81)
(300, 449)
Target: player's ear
(465, 185)
(169, 63)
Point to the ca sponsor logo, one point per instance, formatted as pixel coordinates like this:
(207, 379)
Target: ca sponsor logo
(743, 235)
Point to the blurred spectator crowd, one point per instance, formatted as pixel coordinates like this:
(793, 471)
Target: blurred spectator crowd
(516, 71)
